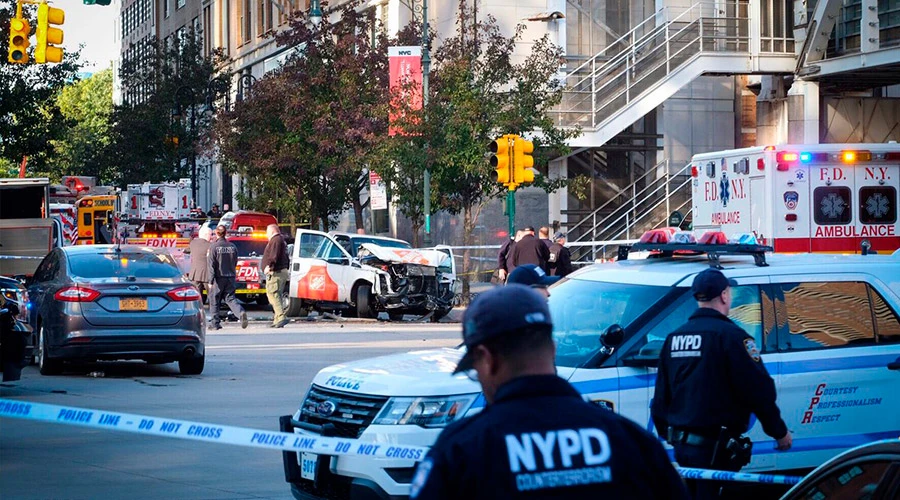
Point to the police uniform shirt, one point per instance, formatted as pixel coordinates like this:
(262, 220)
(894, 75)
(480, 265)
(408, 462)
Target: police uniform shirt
(711, 376)
(540, 439)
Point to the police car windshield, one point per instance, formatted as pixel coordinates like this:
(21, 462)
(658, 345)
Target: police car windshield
(582, 310)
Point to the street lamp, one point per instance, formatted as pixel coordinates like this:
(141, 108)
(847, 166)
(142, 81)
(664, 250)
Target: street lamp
(426, 68)
(245, 85)
(315, 12)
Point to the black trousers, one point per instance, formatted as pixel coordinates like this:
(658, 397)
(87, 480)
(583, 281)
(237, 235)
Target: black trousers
(701, 457)
(224, 292)
(12, 358)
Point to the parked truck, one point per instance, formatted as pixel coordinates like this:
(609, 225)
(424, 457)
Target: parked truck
(26, 228)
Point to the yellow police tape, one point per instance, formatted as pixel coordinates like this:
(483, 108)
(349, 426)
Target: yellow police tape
(275, 440)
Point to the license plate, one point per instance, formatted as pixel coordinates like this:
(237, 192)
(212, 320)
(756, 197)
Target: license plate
(308, 465)
(133, 304)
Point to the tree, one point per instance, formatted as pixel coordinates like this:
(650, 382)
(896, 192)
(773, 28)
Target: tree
(310, 127)
(29, 116)
(81, 150)
(151, 133)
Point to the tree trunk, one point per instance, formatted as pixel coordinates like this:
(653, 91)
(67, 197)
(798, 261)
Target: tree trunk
(358, 211)
(468, 227)
(416, 225)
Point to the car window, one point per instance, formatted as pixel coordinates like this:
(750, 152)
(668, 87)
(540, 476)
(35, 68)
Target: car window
(826, 314)
(122, 264)
(308, 245)
(857, 481)
(887, 325)
(45, 268)
(582, 310)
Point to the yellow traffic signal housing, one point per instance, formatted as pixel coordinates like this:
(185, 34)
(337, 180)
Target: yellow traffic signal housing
(500, 160)
(523, 161)
(48, 37)
(19, 31)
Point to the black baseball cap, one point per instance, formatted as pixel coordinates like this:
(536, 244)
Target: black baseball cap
(528, 228)
(502, 311)
(709, 284)
(531, 275)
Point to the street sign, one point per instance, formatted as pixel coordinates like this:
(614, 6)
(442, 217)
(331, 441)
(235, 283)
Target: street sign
(675, 219)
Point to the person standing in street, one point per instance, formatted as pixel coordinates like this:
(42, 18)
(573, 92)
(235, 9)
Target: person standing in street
(214, 211)
(529, 250)
(12, 356)
(222, 264)
(532, 276)
(199, 270)
(275, 263)
(537, 437)
(710, 379)
(560, 262)
(544, 236)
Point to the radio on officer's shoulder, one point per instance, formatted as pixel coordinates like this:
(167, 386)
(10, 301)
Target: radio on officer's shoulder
(732, 450)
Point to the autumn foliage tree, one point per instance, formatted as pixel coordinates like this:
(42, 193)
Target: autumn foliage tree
(311, 126)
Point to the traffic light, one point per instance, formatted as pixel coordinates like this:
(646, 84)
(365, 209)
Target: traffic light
(19, 31)
(97, 2)
(500, 160)
(523, 161)
(48, 37)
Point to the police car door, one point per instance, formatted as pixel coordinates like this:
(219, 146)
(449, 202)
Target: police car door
(837, 334)
(317, 268)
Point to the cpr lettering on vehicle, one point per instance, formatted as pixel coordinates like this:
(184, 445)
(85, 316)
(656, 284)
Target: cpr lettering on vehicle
(686, 346)
(821, 401)
(590, 445)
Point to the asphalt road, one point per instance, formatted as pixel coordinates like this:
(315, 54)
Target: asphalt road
(251, 378)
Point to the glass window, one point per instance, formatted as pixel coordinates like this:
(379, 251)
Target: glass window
(308, 245)
(878, 205)
(831, 205)
(887, 325)
(582, 310)
(181, 3)
(827, 314)
(42, 272)
(859, 480)
(121, 264)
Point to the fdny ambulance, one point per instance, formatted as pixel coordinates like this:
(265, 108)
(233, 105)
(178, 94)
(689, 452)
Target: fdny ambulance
(802, 198)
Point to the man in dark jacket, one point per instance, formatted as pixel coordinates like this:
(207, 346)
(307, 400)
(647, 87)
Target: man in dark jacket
(12, 357)
(560, 262)
(275, 263)
(536, 437)
(199, 271)
(530, 250)
(544, 236)
(222, 265)
(710, 379)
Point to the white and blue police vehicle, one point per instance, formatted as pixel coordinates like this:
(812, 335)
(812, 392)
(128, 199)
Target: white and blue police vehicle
(828, 327)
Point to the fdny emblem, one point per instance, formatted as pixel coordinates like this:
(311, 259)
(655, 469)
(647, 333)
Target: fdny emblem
(790, 199)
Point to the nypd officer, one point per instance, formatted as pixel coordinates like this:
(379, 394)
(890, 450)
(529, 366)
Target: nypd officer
(537, 437)
(710, 379)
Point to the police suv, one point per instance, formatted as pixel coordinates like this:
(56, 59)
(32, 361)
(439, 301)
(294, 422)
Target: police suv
(827, 326)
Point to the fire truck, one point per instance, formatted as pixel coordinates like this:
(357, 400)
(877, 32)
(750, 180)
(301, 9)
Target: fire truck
(839, 198)
(159, 215)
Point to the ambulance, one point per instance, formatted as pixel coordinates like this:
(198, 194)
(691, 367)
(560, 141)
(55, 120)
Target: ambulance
(838, 198)
(159, 215)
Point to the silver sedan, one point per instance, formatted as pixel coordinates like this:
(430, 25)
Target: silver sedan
(103, 302)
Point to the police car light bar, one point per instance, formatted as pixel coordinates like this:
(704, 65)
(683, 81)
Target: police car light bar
(713, 244)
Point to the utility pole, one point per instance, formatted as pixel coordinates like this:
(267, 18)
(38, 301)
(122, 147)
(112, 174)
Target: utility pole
(426, 68)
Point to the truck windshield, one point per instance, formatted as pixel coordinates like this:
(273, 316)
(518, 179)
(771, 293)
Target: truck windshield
(582, 310)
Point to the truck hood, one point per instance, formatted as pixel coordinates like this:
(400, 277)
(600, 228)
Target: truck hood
(433, 258)
(415, 373)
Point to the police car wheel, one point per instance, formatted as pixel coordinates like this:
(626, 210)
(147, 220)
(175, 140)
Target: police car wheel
(191, 366)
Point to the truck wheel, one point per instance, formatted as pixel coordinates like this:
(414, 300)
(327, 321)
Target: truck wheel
(46, 365)
(191, 366)
(365, 302)
(294, 307)
(395, 315)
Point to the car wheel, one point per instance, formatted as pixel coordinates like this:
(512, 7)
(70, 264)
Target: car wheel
(46, 365)
(395, 315)
(262, 300)
(364, 302)
(293, 307)
(191, 366)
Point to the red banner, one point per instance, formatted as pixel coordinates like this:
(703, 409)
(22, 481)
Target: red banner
(406, 75)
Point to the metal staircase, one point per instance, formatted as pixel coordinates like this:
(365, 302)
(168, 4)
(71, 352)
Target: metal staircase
(661, 55)
(643, 205)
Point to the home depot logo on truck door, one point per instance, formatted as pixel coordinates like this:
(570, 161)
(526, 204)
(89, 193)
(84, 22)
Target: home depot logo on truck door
(317, 285)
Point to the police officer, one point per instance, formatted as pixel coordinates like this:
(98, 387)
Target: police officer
(222, 257)
(537, 437)
(710, 379)
(533, 276)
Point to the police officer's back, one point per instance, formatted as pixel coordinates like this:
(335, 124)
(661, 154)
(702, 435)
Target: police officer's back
(710, 379)
(537, 437)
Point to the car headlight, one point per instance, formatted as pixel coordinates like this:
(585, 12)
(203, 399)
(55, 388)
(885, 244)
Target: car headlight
(425, 412)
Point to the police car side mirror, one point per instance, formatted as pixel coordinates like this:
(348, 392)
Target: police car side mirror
(613, 336)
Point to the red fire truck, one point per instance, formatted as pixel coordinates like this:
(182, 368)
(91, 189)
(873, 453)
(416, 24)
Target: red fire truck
(159, 215)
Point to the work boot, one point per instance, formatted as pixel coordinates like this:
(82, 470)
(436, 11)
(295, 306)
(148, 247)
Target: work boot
(244, 319)
(281, 323)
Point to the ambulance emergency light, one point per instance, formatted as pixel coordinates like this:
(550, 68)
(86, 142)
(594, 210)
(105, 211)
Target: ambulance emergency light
(785, 159)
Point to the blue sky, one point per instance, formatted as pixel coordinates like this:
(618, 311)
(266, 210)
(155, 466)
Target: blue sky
(94, 26)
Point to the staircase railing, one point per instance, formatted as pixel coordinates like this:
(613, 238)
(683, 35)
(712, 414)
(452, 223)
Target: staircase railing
(655, 48)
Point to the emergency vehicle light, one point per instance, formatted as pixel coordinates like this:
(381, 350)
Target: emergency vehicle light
(695, 172)
(663, 235)
(786, 157)
(854, 156)
(713, 238)
(790, 217)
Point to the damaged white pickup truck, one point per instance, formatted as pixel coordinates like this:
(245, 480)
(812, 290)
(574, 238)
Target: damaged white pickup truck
(364, 275)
